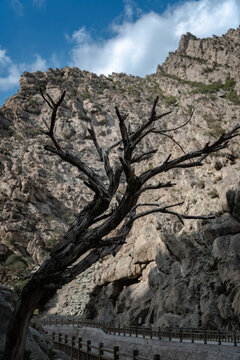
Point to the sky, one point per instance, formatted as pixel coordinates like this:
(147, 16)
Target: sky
(101, 36)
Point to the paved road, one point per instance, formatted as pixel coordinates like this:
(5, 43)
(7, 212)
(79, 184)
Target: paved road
(168, 350)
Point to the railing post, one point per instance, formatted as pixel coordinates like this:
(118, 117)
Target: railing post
(159, 333)
(119, 330)
(205, 336)
(65, 342)
(156, 357)
(116, 353)
(234, 337)
(88, 348)
(151, 333)
(180, 334)
(130, 331)
(135, 354)
(192, 335)
(53, 336)
(100, 351)
(79, 348)
(219, 337)
(136, 331)
(170, 335)
(59, 340)
(72, 346)
(124, 331)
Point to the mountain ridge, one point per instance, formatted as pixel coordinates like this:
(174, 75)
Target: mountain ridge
(166, 274)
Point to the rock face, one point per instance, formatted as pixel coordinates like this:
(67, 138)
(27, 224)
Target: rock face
(166, 274)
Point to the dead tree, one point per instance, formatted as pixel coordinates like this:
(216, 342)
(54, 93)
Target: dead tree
(89, 236)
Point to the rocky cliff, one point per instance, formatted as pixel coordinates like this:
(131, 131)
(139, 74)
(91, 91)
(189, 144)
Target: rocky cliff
(167, 273)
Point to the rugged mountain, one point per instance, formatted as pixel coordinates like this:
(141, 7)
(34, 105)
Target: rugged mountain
(167, 273)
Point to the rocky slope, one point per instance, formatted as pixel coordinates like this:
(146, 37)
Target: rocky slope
(167, 273)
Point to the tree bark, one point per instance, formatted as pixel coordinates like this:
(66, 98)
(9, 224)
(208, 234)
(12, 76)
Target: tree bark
(19, 324)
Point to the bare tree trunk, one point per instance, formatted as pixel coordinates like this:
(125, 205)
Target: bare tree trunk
(19, 325)
(90, 234)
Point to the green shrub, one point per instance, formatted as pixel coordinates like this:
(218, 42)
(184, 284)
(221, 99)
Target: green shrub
(16, 264)
(133, 90)
(19, 285)
(234, 97)
(10, 132)
(51, 242)
(13, 259)
(85, 95)
(214, 87)
(229, 84)
(32, 131)
(210, 88)
(171, 100)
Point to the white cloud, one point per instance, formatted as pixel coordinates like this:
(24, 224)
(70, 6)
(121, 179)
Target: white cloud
(17, 6)
(38, 64)
(39, 3)
(10, 72)
(138, 47)
(79, 37)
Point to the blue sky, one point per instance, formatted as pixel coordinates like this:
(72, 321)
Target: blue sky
(102, 36)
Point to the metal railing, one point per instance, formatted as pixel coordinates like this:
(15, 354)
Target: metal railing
(181, 334)
(80, 350)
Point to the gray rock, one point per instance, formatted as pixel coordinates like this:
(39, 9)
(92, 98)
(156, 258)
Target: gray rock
(187, 271)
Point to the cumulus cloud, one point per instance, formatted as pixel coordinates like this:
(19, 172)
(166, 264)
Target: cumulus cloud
(10, 72)
(137, 47)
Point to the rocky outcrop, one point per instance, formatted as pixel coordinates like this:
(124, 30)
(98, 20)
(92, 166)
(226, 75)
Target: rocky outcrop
(205, 60)
(166, 273)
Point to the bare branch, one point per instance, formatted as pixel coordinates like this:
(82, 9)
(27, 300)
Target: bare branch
(115, 240)
(103, 217)
(219, 144)
(128, 170)
(113, 146)
(158, 186)
(170, 137)
(144, 156)
(93, 178)
(123, 129)
(141, 136)
(165, 210)
(178, 127)
(153, 117)
(46, 100)
(113, 186)
(47, 126)
(94, 138)
(102, 153)
(54, 108)
(107, 166)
